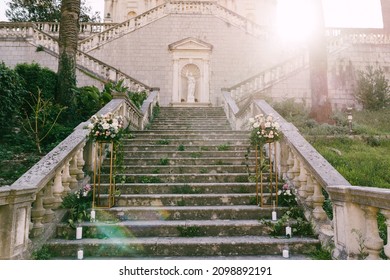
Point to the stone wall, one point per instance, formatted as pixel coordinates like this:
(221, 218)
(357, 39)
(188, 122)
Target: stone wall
(144, 55)
(21, 51)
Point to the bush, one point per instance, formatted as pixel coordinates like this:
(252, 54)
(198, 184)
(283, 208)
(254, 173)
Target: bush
(11, 96)
(372, 89)
(88, 101)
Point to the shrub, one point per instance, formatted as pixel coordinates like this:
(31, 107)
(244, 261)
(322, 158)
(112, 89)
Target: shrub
(11, 93)
(372, 89)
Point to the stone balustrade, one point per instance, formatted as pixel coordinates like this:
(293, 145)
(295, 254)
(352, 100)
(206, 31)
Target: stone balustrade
(172, 7)
(29, 208)
(268, 77)
(354, 226)
(41, 39)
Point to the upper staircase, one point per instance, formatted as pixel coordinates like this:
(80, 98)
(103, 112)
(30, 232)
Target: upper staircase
(184, 193)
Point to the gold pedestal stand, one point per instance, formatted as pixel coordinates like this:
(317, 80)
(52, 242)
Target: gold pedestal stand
(266, 165)
(103, 197)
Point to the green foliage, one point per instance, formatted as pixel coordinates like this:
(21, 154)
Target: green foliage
(223, 147)
(189, 231)
(42, 254)
(360, 163)
(37, 78)
(11, 93)
(44, 11)
(164, 161)
(181, 148)
(322, 253)
(89, 100)
(372, 89)
(137, 98)
(78, 204)
(163, 142)
(39, 123)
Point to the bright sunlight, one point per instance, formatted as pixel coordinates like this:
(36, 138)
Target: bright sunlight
(295, 17)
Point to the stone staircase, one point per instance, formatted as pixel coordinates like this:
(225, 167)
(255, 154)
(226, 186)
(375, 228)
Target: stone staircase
(185, 193)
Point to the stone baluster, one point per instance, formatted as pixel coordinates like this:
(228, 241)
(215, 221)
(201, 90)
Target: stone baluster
(73, 170)
(289, 164)
(37, 213)
(48, 202)
(66, 178)
(301, 181)
(386, 213)
(372, 241)
(318, 201)
(58, 189)
(310, 191)
(80, 163)
(295, 170)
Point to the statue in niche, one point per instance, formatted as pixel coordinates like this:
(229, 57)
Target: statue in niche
(191, 87)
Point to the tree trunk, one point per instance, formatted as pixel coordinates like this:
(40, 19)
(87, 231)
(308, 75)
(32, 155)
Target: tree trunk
(68, 37)
(321, 108)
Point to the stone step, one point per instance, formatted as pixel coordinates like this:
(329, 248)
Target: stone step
(188, 161)
(181, 246)
(187, 154)
(160, 146)
(235, 212)
(187, 188)
(219, 133)
(188, 228)
(185, 199)
(176, 169)
(181, 178)
(198, 141)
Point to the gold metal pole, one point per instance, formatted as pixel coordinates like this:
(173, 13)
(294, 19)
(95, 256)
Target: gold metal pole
(257, 177)
(261, 176)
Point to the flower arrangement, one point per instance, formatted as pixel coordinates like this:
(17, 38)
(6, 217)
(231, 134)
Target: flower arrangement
(78, 203)
(105, 127)
(286, 196)
(264, 129)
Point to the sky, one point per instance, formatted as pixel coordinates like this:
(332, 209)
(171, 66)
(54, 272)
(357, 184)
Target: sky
(350, 13)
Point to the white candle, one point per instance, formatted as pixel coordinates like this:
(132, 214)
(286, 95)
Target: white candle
(285, 254)
(274, 216)
(93, 215)
(288, 231)
(79, 232)
(80, 254)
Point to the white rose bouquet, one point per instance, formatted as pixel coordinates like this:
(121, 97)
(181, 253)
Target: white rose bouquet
(264, 129)
(105, 127)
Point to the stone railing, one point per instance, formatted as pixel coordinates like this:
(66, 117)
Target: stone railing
(355, 209)
(339, 38)
(29, 208)
(86, 28)
(268, 77)
(172, 7)
(38, 38)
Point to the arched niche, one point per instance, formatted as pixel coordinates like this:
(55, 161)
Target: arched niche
(191, 56)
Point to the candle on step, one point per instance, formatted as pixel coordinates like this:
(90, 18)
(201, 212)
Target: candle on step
(80, 254)
(288, 231)
(274, 215)
(286, 253)
(79, 232)
(93, 215)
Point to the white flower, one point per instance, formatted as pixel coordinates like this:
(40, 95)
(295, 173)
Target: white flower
(90, 126)
(105, 126)
(267, 125)
(256, 125)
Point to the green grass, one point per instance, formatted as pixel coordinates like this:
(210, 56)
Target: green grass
(359, 162)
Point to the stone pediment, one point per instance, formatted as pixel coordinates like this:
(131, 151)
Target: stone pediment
(190, 44)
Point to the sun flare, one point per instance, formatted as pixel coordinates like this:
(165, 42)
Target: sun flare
(294, 20)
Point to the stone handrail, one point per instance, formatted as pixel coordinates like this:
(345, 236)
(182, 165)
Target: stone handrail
(38, 38)
(29, 207)
(268, 77)
(86, 28)
(172, 7)
(354, 208)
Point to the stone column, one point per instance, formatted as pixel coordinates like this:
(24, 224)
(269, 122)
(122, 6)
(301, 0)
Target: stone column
(15, 215)
(176, 76)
